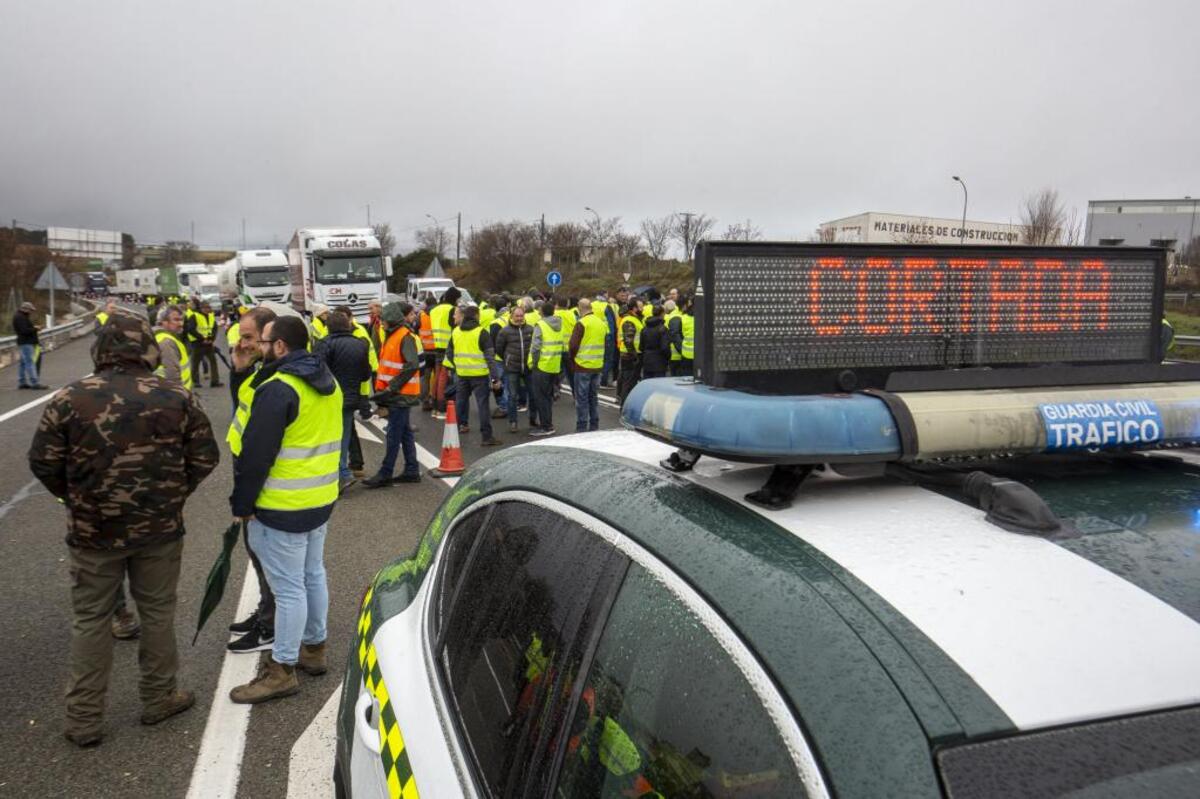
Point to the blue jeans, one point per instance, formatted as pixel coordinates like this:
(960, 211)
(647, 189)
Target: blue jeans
(399, 435)
(517, 387)
(586, 388)
(295, 567)
(498, 374)
(344, 472)
(27, 370)
(479, 387)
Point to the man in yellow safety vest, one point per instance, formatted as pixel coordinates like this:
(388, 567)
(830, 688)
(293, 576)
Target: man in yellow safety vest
(586, 349)
(285, 484)
(173, 361)
(470, 354)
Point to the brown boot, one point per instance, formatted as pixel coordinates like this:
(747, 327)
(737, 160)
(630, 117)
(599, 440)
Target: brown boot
(125, 625)
(312, 659)
(176, 703)
(274, 681)
(85, 739)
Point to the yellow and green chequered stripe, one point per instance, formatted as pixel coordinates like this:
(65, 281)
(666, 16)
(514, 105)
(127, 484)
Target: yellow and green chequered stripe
(402, 784)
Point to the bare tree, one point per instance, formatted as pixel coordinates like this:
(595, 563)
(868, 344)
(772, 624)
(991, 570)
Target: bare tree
(500, 252)
(824, 234)
(434, 238)
(743, 232)
(383, 232)
(690, 229)
(657, 234)
(566, 241)
(1044, 218)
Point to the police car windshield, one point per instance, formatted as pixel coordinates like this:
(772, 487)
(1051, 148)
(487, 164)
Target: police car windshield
(355, 269)
(1137, 516)
(258, 278)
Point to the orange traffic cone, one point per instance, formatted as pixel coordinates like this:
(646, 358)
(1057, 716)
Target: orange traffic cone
(451, 463)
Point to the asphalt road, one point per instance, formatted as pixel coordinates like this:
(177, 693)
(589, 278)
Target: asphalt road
(369, 528)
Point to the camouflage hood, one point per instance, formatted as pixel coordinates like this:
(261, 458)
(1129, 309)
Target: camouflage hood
(126, 341)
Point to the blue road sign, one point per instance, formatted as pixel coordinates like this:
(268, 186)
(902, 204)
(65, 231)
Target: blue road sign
(554, 278)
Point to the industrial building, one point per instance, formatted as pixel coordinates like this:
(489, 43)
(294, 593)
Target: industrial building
(1141, 223)
(873, 227)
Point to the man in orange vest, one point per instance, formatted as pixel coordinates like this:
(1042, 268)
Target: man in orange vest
(398, 389)
(428, 357)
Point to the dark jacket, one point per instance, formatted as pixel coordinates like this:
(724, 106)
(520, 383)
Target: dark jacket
(347, 357)
(123, 448)
(275, 406)
(23, 326)
(656, 346)
(512, 347)
(675, 335)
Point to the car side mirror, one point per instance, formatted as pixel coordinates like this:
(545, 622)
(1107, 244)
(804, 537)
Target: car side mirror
(387, 265)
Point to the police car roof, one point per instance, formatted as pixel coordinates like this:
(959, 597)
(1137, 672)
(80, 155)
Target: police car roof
(872, 599)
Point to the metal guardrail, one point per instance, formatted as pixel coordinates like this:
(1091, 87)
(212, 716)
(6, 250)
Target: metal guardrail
(52, 336)
(1187, 341)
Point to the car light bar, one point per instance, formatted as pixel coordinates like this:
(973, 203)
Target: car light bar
(919, 426)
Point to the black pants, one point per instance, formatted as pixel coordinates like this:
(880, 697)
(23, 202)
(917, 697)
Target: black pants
(266, 600)
(631, 373)
(648, 374)
(205, 356)
(356, 456)
(541, 397)
(481, 388)
(681, 368)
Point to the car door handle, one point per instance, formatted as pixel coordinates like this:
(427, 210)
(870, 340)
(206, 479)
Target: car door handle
(364, 712)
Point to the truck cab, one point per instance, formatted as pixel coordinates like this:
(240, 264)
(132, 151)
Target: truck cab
(337, 267)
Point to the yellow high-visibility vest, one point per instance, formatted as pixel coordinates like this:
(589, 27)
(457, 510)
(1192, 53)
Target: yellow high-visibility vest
(468, 356)
(689, 336)
(439, 320)
(319, 329)
(569, 321)
(372, 356)
(591, 346)
(637, 335)
(185, 364)
(305, 472)
(550, 355)
(241, 414)
(205, 322)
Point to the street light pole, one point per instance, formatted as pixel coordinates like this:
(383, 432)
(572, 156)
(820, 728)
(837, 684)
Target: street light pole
(962, 231)
(436, 232)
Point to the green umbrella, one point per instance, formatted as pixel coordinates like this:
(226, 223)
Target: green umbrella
(218, 575)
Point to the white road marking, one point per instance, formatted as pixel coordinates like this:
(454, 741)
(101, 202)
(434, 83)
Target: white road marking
(25, 493)
(603, 400)
(219, 763)
(364, 432)
(21, 409)
(310, 765)
(424, 456)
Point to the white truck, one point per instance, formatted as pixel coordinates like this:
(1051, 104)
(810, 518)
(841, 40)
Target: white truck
(337, 267)
(207, 288)
(187, 273)
(255, 276)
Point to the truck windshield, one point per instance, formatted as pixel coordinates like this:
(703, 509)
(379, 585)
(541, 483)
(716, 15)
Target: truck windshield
(367, 269)
(258, 278)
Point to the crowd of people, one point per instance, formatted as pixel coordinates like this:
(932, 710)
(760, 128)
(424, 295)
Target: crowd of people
(124, 448)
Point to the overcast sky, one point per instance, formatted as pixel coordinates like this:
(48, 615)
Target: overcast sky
(147, 116)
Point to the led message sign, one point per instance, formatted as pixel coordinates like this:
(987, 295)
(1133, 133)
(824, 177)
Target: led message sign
(874, 310)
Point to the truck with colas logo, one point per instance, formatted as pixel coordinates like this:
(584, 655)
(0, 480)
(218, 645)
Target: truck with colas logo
(337, 267)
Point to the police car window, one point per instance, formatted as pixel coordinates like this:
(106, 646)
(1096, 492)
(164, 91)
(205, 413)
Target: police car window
(666, 712)
(454, 558)
(515, 635)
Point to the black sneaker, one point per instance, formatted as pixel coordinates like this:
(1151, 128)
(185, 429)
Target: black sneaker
(490, 442)
(245, 625)
(377, 481)
(256, 640)
(407, 478)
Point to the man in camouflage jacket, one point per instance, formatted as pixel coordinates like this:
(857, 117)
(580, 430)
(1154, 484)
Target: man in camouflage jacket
(123, 449)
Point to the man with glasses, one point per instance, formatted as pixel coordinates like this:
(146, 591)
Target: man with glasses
(285, 484)
(256, 631)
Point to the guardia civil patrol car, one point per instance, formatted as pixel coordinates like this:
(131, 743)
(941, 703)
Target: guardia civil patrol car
(955, 559)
